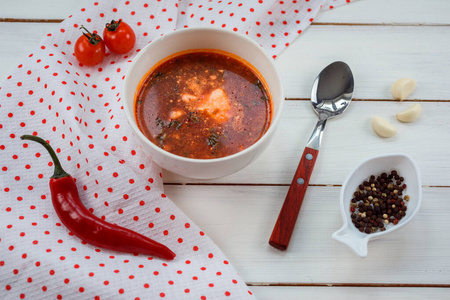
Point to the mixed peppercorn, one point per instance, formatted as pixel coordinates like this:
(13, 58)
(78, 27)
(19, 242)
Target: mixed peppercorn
(378, 202)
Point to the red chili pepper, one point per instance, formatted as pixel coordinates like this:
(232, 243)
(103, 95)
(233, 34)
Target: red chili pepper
(88, 227)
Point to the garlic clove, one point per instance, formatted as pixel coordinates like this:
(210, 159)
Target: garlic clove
(403, 87)
(411, 114)
(382, 127)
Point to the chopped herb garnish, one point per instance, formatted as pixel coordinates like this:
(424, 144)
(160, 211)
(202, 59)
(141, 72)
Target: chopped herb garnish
(174, 123)
(213, 139)
(159, 74)
(264, 98)
(160, 122)
(258, 84)
(193, 117)
(160, 137)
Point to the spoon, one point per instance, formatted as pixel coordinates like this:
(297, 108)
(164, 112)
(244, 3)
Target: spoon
(330, 96)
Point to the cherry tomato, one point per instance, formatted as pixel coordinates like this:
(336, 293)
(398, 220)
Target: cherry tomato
(89, 48)
(119, 37)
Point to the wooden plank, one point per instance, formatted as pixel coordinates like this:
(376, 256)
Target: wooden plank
(19, 39)
(43, 9)
(347, 141)
(332, 293)
(362, 11)
(417, 52)
(389, 12)
(240, 219)
(378, 56)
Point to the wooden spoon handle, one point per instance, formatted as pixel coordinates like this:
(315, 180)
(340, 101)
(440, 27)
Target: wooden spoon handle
(285, 224)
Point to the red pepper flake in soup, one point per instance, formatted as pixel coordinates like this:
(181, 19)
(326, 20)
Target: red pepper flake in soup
(203, 104)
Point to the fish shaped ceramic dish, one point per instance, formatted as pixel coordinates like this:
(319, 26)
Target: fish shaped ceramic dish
(407, 168)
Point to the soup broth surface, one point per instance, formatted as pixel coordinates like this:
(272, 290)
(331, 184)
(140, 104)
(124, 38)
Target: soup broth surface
(204, 105)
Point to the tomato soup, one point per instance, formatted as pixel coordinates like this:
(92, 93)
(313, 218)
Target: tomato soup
(203, 104)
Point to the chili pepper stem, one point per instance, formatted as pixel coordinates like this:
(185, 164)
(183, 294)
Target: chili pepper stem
(59, 171)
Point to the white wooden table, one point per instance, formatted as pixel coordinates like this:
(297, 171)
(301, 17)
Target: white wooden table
(382, 41)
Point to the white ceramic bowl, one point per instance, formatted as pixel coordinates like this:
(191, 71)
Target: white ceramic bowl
(203, 38)
(407, 168)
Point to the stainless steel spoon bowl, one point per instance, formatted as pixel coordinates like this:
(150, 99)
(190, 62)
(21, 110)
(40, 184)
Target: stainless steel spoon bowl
(331, 94)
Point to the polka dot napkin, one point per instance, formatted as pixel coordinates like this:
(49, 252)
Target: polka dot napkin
(79, 110)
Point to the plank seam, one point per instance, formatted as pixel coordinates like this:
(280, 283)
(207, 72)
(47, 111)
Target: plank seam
(14, 20)
(25, 20)
(375, 100)
(272, 184)
(375, 285)
(381, 24)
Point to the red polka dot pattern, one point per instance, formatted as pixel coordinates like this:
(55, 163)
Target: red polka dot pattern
(79, 110)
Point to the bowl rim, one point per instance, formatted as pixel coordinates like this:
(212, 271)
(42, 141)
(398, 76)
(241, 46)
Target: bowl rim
(344, 211)
(275, 118)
